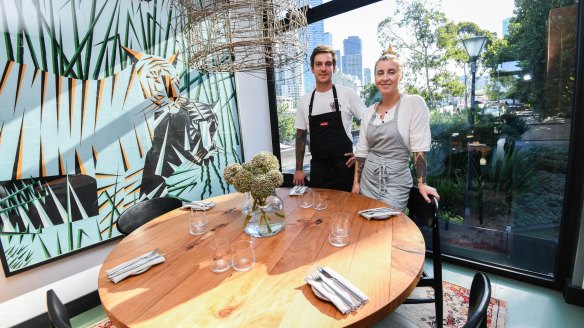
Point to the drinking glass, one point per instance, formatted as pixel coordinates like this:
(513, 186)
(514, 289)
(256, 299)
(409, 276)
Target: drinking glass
(319, 200)
(340, 229)
(198, 222)
(306, 199)
(242, 255)
(219, 254)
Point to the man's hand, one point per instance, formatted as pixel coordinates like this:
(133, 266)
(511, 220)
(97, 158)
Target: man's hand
(299, 178)
(426, 190)
(351, 159)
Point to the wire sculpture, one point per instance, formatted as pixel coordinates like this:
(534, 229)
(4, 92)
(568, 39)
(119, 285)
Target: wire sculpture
(243, 35)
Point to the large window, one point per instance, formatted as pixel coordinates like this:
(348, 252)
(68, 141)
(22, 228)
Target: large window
(500, 149)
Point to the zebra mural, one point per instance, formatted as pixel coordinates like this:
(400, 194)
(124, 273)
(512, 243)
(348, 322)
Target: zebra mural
(75, 151)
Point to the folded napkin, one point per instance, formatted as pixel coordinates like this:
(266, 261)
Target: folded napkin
(379, 213)
(354, 290)
(342, 293)
(329, 294)
(134, 266)
(199, 205)
(298, 190)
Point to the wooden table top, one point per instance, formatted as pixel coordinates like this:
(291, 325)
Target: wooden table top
(384, 259)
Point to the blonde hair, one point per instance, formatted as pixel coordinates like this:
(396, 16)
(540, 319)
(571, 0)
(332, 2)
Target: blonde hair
(390, 54)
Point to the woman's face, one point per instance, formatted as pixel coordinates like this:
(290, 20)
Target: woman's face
(387, 76)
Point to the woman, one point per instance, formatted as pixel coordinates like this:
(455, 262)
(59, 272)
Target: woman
(391, 130)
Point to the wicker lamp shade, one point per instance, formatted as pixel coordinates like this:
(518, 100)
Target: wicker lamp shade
(243, 35)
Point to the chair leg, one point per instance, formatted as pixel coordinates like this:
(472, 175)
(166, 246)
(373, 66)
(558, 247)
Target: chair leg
(439, 307)
(438, 289)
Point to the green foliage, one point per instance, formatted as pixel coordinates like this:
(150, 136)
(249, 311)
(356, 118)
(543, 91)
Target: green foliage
(370, 94)
(420, 21)
(285, 124)
(448, 85)
(542, 205)
(528, 41)
(451, 34)
(452, 193)
(445, 129)
(513, 174)
(443, 125)
(514, 126)
(500, 87)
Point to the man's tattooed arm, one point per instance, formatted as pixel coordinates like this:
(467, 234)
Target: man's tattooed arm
(300, 148)
(420, 166)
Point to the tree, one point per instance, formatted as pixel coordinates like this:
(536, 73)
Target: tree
(413, 30)
(285, 123)
(449, 85)
(500, 87)
(370, 94)
(528, 41)
(450, 37)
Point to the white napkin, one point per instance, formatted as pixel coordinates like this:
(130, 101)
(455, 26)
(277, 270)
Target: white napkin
(298, 190)
(349, 285)
(378, 213)
(325, 291)
(134, 266)
(199, 205)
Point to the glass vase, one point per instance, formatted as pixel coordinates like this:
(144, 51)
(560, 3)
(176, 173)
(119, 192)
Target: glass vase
(262, 217)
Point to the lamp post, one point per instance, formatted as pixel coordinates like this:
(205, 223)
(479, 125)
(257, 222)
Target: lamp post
(473, 46)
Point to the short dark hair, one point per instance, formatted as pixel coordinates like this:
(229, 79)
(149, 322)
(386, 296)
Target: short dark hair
(323, 49)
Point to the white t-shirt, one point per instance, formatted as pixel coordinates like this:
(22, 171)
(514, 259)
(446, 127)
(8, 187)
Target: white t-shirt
(413, 124)
(350, 106)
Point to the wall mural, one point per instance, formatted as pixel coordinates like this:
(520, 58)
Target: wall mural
(98, 113)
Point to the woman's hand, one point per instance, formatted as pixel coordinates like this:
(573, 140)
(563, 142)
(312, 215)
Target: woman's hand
(426, 191)
(356, 188)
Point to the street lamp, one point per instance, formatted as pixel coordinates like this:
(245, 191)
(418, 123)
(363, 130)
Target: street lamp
(473, 46)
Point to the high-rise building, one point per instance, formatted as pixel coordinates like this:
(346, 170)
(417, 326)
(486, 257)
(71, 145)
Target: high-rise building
(349, 81)
(316, 33)
(366, 76)
(353, 59)
(339, 66)
(290, 82)
(327, 38)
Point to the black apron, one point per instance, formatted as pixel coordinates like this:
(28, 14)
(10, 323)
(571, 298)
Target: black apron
(328, 145)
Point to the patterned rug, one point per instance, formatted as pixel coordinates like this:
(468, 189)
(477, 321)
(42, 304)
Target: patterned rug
(455, 308)
(104, 323)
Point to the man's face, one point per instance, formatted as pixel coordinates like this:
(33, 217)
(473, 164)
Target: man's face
(323, 68)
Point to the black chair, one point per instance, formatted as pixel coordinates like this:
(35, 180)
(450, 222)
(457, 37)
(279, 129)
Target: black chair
(145, 211)
(480, 295)
(289, 180)
(58, 315)
(426, 215)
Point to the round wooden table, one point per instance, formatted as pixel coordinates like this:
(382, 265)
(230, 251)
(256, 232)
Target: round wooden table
(384, 259)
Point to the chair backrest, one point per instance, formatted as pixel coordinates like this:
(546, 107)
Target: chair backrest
(145, 211)
(480, 295)
(421, 212)
(58, 315)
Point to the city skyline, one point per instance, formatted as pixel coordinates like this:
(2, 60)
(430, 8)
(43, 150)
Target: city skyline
(488, 15)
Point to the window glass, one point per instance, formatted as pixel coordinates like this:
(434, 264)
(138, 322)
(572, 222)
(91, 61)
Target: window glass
(500, 119)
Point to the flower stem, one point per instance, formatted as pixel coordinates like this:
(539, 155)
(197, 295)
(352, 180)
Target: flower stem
(266, 219)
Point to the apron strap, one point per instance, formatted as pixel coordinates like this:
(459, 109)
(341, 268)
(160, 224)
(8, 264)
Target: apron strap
(312, 101)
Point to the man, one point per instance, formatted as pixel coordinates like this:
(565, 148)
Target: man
(327, 112)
